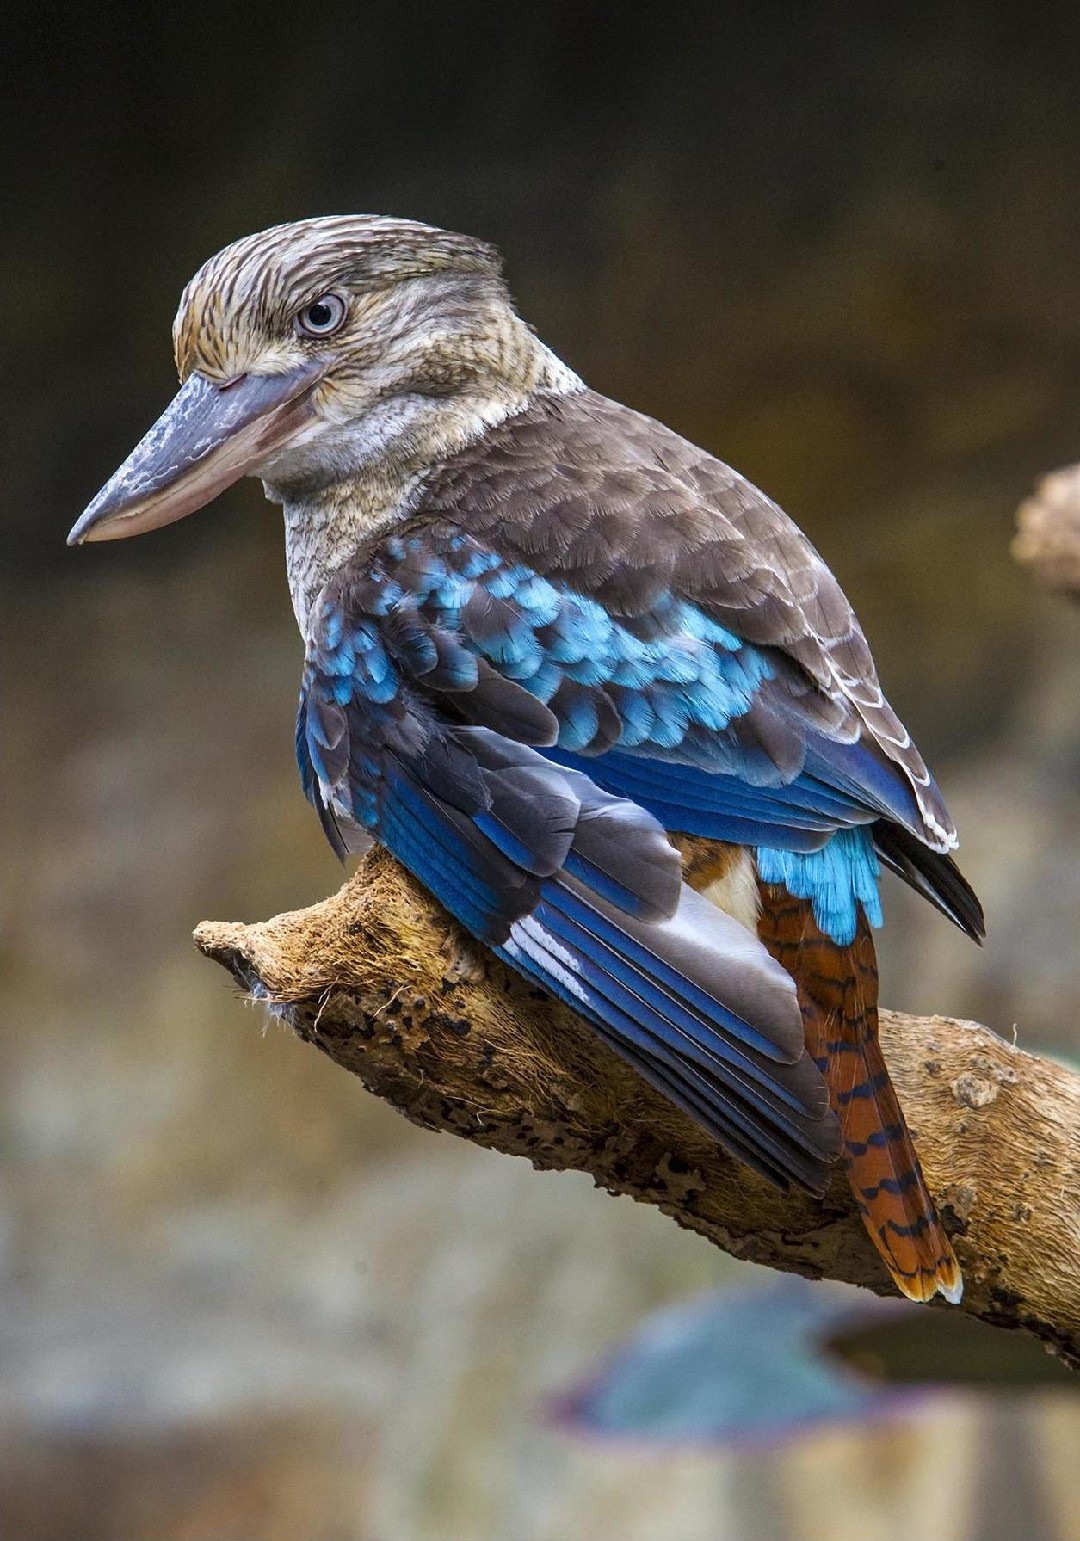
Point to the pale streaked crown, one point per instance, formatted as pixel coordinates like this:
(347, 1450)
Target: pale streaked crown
(249, 292)
(424, 353)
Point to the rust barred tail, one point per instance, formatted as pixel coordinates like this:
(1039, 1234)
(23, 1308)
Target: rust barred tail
(838, 994)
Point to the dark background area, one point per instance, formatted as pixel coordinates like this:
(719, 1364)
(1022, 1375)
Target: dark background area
(834, 243)
(839, 245)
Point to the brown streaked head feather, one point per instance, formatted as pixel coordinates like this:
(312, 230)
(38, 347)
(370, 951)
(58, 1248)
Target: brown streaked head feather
(258, 282)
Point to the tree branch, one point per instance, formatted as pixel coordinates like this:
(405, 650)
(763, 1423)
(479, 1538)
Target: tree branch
(379, 979)
(1047, 539)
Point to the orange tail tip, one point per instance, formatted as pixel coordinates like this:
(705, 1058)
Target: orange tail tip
(838, 994)
(885, 1174)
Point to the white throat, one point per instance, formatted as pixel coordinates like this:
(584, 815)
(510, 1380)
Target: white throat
(371, 473)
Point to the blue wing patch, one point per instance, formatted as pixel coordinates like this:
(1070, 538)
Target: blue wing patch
(575, 888)
(670, 710)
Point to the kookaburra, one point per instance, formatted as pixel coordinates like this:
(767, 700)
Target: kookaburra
(580, 677)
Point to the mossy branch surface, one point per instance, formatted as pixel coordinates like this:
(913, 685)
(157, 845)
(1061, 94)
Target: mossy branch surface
(383, 982)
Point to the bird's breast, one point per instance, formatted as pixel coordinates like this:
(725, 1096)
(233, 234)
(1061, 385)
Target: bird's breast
(324, 532)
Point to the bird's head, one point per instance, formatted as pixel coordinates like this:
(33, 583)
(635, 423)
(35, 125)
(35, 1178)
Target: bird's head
(303, 349)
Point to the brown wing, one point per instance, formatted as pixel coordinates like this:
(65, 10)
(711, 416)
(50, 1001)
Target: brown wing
(623, 509)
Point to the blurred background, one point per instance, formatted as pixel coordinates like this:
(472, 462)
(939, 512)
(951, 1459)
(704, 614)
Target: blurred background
(840, 246)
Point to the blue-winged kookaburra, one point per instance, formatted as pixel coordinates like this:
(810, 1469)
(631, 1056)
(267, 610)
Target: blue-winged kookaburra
(581, 678)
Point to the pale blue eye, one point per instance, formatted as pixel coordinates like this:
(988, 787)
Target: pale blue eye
(324, 316)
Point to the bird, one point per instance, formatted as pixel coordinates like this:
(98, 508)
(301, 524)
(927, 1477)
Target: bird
(589, 685)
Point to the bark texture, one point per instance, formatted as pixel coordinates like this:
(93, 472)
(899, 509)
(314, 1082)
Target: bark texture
(1047, 539)
(379, 979)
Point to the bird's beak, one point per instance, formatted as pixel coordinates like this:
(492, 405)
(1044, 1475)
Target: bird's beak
(208, 437)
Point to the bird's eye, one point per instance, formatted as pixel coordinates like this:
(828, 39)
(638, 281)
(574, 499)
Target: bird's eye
(324, 317)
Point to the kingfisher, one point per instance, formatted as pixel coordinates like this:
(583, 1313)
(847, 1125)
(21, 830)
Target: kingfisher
(594, 689)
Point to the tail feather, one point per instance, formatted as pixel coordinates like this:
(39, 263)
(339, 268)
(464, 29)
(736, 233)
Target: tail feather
(933, 874)
(838, 994)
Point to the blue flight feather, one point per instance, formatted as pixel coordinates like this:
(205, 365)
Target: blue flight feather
(676, 683)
